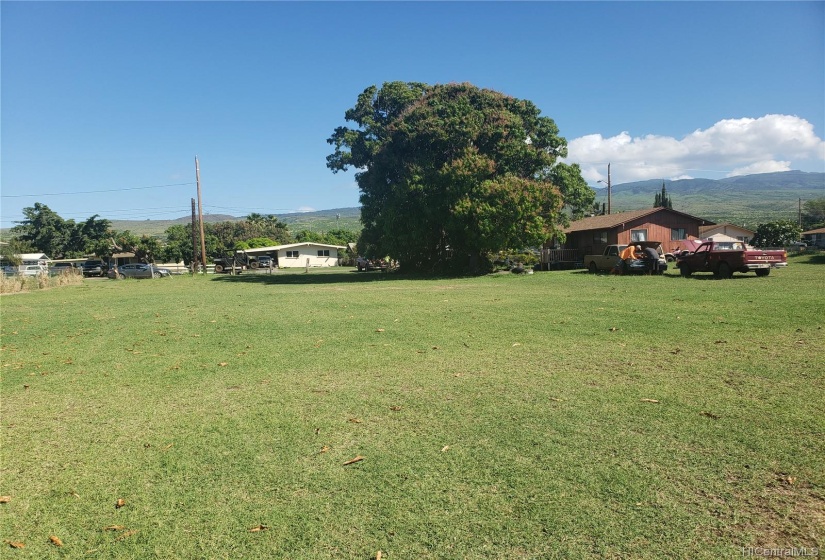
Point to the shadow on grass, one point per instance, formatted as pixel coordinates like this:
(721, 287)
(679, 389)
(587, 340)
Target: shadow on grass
(326, 277)
(818, 258)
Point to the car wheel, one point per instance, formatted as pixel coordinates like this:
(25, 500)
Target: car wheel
(723, 271)
(253, 264)
(593, 269)
(763, 271)
(218, 268)
(685, 271)
(156, 275)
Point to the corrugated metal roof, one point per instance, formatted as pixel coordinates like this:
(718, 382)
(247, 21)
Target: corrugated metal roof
(610, 221)
(811, 232)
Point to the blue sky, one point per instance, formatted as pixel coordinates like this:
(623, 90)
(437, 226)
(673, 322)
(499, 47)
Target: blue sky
(119, 97)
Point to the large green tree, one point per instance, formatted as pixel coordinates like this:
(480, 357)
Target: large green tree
(451, 174)
(776, 234)
(813, 213)
(45, 230)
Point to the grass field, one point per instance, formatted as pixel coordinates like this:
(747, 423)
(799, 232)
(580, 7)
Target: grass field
(553, 415)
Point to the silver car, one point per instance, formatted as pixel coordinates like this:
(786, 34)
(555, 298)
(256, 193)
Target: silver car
(138, 270)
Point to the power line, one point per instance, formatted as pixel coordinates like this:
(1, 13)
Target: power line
(100, 191)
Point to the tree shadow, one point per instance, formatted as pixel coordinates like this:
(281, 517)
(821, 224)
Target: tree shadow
(818, 258)
(283, 278)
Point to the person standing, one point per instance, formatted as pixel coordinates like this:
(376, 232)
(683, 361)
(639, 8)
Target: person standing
(652, 256)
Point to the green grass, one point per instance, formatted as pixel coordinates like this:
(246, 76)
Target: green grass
(498, 417)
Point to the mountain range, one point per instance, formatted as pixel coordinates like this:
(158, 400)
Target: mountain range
(746, 200)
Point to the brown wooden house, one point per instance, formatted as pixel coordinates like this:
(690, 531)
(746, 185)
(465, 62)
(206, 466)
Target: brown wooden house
(670, 227)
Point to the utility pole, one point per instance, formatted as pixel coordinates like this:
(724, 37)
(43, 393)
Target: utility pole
(200, 214)
(194, 239)
(799, 212)
(608, 188)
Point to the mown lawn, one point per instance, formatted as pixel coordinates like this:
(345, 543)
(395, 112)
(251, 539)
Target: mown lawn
(553, 415)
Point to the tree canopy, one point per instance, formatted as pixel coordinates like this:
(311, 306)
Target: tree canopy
(776, 234)
(813, 213)
(662, 200)
(450, 174)
(46, 231)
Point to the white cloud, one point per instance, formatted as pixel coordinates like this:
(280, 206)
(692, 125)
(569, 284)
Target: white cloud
(306, 209)
(761, 167)
(729, 147)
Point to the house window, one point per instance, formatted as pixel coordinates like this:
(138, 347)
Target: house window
(292, 254)
(638, 235)
(600, 237)
(677, 234)
(323, 252)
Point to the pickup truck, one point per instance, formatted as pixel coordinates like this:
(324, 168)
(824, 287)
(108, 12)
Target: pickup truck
(94, 267)
(609, 258)
(723, 258)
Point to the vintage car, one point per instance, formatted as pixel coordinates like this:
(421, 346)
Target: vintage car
(723, 258)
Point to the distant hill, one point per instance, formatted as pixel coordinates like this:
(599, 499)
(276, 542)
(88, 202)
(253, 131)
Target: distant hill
(319, 221)
(746, 200)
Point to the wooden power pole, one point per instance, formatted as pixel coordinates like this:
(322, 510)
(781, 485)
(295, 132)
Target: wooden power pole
(200, 214)
(194, 239)
(608, 188)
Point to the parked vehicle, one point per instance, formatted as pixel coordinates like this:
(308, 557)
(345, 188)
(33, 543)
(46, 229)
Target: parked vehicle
(723, 258)
(63, 268)
(32, 270)
(610, 259)
(139, 270)
(363, 264)
(94, 267)
(265, 261)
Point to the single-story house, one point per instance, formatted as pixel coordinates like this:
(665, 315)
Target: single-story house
(814, 237)
(591, 235)
(296, 255)
(35, 258)
(724, 232)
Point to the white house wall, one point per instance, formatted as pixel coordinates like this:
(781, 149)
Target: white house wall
(305, 253)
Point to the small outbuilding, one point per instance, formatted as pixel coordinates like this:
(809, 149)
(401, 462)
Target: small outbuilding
(726, 232)
(814, 237)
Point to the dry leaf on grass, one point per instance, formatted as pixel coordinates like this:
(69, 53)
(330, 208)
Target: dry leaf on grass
(324, 449)
(395, 408)
(378, 555)
(126, 534)
(258, 529)
(554, 399)
(120, 503)
(709, 415)
(379, 330)
(650, 400)
(114, 528)
(5, 499)
(56, 541)
(354, 420)
(354, 460)
(15, 544)
(222, 364)
(445, 448)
